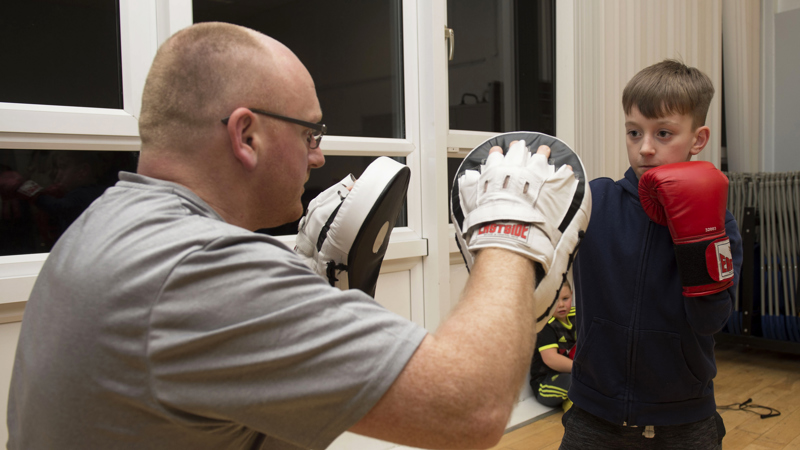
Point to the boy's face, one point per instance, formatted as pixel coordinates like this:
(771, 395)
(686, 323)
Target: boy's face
(664, 140)
(564, 303)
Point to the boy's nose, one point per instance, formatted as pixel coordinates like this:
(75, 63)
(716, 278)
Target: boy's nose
(647, 147)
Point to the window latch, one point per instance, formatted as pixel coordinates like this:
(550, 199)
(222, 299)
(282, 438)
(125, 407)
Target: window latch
(450, 36)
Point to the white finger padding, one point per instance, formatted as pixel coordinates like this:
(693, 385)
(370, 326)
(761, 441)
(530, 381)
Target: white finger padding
(336, 216)
(565, 200)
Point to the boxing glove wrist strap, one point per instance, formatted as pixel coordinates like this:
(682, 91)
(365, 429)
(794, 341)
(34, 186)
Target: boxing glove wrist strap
(705, 263)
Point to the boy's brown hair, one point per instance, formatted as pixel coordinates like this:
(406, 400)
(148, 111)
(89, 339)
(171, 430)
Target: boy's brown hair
(669, 87)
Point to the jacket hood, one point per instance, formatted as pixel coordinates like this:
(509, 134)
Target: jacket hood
(630, 183)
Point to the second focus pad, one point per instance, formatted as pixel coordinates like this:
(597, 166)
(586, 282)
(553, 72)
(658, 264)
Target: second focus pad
(350, 243)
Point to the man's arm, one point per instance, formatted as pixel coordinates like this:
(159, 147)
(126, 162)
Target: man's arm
(459, 388)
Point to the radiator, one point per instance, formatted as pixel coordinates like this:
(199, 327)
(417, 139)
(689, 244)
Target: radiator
(774, 199)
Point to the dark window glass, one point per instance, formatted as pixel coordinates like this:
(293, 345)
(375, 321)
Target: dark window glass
(353, 50)
(334, 170)
(69, 181)
(502, 74)
(60, 52)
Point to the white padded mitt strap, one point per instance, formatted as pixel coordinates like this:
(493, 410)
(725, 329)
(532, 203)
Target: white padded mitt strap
(313, 225)
(564, 201)
(345, 236)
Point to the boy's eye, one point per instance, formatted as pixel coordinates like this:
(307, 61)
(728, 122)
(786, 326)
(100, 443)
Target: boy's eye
(633, 133)
(663, 133)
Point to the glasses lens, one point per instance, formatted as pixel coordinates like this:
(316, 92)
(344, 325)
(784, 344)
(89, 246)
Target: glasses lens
(314, 140)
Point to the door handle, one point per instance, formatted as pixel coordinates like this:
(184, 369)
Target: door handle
(450, 36)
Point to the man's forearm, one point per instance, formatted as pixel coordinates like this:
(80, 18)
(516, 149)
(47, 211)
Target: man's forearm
(459, 388)
(495, 321)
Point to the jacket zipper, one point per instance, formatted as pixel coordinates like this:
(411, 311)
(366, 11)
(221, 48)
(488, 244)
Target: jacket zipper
(633, 326)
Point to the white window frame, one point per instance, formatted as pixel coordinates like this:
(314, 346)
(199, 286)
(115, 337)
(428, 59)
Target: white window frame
(460, 142)
(457, 143)
(144, 25)
(29, 126)
(50, 127)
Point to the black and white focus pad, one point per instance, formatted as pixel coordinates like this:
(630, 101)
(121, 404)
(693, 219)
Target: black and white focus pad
(570, 231)
(345, 233)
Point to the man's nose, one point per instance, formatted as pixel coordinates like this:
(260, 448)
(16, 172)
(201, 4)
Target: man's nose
(315, 158)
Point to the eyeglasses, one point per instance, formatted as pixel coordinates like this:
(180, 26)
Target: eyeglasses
(763, 411)
(313, 139)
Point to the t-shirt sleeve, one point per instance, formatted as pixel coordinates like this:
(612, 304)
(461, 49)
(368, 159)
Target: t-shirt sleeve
(244, 332)
(546, 338)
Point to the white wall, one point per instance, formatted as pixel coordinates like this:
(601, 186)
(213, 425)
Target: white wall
(615, 39)
(787, 93)
(778, 67)
(741, 37)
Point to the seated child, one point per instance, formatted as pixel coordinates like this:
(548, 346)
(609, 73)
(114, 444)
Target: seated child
(552, 359)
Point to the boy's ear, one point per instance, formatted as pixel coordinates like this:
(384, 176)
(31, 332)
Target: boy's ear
(701, 137)
(241, 132)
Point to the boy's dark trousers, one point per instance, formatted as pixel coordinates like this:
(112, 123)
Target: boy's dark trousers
(552, 390)
(583, 430)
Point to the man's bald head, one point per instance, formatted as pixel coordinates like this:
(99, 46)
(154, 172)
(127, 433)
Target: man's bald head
(202, 73)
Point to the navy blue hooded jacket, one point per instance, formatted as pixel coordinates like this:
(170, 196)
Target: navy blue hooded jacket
(645, 352)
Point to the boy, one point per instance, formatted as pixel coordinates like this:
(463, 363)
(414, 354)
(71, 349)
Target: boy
(552, 359)
(642, 375)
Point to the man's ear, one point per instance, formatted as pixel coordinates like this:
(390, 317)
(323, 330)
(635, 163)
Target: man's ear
(701, 137)
(241, 130)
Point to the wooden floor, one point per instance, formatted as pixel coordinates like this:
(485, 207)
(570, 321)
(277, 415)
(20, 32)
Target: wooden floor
(770, 379)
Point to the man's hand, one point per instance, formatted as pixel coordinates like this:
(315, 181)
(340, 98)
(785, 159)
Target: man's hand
(558, 205)
(516, 203)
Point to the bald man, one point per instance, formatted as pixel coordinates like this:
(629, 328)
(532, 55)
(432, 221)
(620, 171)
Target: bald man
(162, 321)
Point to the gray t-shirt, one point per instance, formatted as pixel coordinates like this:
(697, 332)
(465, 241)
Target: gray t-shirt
(154, 324)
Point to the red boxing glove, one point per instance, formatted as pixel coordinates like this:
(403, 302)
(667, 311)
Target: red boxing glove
(690, 199)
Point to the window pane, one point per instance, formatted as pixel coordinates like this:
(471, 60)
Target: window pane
(71, 181)
(63, 53)
(334, 170)
(352, 48)
(501, 77)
